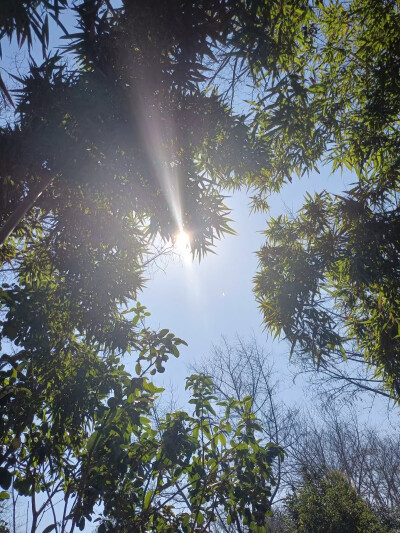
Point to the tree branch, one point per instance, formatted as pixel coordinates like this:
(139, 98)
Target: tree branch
(22, 209)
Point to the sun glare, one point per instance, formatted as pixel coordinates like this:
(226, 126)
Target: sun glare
(182, 244)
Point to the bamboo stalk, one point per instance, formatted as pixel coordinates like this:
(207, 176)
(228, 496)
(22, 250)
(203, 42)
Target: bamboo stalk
(22, 209)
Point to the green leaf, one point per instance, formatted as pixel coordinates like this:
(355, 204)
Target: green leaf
(92, 440)
(147, 499)
(185, 519)
(175, 351)
(200, 518)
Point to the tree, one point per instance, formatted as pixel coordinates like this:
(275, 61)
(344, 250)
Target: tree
(335, 441)
(29, 18)
(124, 147)
(25, 20)
(129, 144)
(336, 289)
(171, 473)
(200, 468)
(329, 504)
(244, 369)
(344, 380)
(126, 144)
(132, 122)
(329, 438)
(327, 87)
(329, 277)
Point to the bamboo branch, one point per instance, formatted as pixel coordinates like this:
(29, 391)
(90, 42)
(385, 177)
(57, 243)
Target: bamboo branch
(22, 209)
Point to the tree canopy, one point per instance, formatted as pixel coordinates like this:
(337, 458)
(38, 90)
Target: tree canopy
(329, 504)
(129, 135)
(326, 93)
(329, 276)
(103, 157)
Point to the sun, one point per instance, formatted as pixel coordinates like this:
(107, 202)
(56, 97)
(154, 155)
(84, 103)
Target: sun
(182, 244)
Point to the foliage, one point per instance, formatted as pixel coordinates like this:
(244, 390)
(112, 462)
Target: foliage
(129, 145)
(332, 437)
(200, 462)
(326, 83)
(329, 277)
(57, 388)
(131, 128)
(98, 443)
(330, 504)
(125, 147)
(243, 368)
(337, 440)
(24, 19)
(329, 281)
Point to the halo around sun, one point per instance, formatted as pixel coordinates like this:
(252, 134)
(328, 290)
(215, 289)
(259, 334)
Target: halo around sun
(182, 244)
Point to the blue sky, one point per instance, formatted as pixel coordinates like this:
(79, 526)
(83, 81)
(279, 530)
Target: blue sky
(202, 302)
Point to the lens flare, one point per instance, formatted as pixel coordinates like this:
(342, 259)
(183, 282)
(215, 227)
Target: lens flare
(182, 244)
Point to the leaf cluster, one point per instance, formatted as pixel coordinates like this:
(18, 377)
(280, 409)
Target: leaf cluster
(329, 276)
(329, 503)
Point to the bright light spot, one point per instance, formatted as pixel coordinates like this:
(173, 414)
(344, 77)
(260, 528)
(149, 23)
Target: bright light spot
(182, 244)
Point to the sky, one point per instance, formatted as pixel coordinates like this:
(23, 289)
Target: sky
(201, 302)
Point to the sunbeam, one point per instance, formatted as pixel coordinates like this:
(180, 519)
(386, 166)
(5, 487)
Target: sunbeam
(182, 244)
